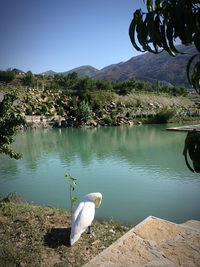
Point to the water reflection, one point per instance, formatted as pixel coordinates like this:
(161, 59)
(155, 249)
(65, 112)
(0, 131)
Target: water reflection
(8, 167)
(148, 146)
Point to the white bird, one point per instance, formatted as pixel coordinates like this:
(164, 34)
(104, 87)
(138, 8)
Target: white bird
(84, 215)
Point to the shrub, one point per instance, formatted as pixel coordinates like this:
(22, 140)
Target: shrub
(107, 120)
(61, 111)
(164, 115)
(84, 112)
(74, 102)
(138, 102)
(100, 113)
(44, 109)
(6, 76)
(29, 111)
(29, 79)
(99, 99)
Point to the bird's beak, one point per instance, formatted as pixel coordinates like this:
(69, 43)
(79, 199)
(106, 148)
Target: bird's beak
(98, 202)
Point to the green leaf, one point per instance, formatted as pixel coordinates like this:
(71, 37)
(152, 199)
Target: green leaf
(188, 67)
(196, 40)
(169, 33)
(164, 42)
(149, 5)
(196, 75)
(70, 177)
(156, 29)
(132, 29)
(74, 199)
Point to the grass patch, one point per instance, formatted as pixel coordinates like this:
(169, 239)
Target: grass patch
(39, 236)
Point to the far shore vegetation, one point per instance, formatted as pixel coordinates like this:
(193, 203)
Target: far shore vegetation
(79, 101)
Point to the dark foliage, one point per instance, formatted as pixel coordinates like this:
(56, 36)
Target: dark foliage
(10, 119)
(7, 76)
(162, 24)
(164, 115)
(192, 147)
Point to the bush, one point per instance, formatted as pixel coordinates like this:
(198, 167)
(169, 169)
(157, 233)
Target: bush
(29, 79)
(74, 102)
(164, 115)
(44, 109)
(100, 113)
(84, 112)
(61, 111)
(107, 120)
(6, 76)
(138, 102)
(99, 99)
(29, 111)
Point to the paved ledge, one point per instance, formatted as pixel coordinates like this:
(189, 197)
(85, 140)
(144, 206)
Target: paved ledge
(185, 128)
(154, 242)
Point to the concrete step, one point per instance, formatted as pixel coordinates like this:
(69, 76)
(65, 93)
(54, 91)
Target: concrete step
(154, 242)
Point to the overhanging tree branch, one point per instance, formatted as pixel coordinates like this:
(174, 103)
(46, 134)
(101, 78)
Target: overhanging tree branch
(165, 21)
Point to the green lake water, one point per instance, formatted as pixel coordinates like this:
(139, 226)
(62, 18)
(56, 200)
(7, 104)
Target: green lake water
(140, 171)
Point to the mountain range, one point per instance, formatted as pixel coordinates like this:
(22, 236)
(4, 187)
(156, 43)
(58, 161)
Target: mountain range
(147, 67)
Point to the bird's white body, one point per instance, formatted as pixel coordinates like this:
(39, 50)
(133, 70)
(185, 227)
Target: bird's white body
(84, 215)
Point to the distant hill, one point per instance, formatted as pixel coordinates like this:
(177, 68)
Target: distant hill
(83, 71)
(111, 66)
(152, 67)
(147, 67)
(49, 73)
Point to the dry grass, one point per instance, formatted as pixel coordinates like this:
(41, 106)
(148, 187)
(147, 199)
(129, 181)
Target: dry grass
(160, 100)
(38, 236)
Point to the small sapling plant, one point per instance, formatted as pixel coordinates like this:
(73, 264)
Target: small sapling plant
(72, 183)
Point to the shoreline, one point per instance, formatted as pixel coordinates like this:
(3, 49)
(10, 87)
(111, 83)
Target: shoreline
(35, 122)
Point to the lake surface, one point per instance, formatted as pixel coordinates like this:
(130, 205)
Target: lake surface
(140, 171)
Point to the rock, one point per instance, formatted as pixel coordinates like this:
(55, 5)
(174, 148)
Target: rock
(12, 198)
(63, 123)
(130, 123)
(112, 231)
(151, 105)
(93, 123)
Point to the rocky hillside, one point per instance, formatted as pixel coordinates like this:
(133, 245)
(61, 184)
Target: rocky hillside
(147, 67)
(106, 109)
(82, 71)
(151, 67)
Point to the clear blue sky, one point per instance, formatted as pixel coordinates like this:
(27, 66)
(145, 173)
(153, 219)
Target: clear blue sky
(40, 35)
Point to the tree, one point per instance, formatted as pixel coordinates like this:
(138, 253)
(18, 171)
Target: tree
(82, 88)
(10, 119)
(162, 24)
(29, 79)
(104, 85)
(17, 71)
(7, 76)
(84, 112)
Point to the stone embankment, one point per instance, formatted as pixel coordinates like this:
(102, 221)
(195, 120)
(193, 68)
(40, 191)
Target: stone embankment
(60, 122)
(154, 242)
(42, 121)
